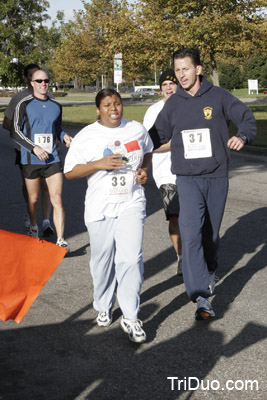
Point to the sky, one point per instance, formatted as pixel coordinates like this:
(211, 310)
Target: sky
(69, 5)
(66, 5)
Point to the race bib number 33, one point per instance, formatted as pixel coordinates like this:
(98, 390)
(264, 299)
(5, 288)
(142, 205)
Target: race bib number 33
(120, 187)
(44, 140)
(197, 143)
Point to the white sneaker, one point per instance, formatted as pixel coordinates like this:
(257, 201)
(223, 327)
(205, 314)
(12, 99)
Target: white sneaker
(104, 318)
(33, 231)
(62, 243)
(204, 309)
(133, 328)
(213, 280)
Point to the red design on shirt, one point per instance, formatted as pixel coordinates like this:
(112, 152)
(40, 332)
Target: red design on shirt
(132, 146)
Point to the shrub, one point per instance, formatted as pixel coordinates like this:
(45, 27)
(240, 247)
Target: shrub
(256, 68)
(230, 77)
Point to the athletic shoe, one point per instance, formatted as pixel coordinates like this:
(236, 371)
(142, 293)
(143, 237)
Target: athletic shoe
(179, 267)
(27, 221)
(204, 309)
(104, 318)
(133, 328)
(213, 280)
(47, 229)
(33, 231)
(62, 243)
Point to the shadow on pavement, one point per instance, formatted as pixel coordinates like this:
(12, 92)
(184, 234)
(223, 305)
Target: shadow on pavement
(68, 361)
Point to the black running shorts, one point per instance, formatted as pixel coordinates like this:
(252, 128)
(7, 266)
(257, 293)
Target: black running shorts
(30, 171)
(170, 200)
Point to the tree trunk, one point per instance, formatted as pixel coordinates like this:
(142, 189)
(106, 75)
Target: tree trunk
(97, 84)
(215, 74)
(215, 77)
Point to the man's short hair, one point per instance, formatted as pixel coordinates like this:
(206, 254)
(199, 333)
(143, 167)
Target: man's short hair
(30, 66)
(188, 52)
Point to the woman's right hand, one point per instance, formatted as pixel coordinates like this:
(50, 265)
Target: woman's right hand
(40, 153)
(112, 161)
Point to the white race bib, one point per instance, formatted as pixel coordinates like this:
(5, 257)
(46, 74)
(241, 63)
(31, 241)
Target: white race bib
(44, 140)
(119, 187)
(197, 143)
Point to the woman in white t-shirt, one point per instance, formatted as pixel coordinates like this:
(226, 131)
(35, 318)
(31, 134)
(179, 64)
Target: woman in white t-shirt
(114, 154)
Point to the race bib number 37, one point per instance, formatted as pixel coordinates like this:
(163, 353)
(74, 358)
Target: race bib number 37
(197, 143)
(44, 140)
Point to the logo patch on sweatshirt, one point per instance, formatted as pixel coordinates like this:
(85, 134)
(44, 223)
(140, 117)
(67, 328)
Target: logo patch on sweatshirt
(207, 112)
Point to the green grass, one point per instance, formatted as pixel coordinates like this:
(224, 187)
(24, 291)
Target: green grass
(80, 115)
(244, 93)
(2, 110)
(260, 113)
(136, 113)
(78, 97)
(86, 114)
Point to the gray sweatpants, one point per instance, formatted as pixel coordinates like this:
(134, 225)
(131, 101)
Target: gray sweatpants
(117, 256)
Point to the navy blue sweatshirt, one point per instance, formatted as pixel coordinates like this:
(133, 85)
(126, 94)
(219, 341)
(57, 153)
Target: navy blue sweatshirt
(210, 110)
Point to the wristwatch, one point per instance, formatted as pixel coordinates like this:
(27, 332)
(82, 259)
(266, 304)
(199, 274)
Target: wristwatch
(243, 137)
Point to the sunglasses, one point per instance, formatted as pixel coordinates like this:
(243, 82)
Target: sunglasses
(41, 80)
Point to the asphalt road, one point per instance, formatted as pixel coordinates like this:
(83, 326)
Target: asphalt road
(59, 353)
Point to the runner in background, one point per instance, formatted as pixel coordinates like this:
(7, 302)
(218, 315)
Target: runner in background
(36, 127)
(161, 166)
(7, 123)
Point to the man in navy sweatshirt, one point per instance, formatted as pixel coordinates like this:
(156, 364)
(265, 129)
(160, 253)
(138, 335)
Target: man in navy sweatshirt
(195, 122)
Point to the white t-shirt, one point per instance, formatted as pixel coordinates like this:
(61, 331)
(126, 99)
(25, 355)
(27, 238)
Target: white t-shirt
(109, 193)
(161, 162)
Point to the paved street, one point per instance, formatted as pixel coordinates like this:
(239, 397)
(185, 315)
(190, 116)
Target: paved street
(59, 353)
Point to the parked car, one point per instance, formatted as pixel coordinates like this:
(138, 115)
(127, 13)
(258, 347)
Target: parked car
(144, 93)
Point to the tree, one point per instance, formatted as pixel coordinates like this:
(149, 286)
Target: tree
(231, 76)
(220, 30)
(90, 42)
(20, 22)
(256, 68)
(149, 31)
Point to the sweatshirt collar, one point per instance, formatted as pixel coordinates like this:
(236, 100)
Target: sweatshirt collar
(205, 86)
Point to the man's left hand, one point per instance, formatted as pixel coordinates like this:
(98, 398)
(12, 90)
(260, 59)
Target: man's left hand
(235, 143)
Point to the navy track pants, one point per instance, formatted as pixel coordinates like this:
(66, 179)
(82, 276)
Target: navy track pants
(202, 202)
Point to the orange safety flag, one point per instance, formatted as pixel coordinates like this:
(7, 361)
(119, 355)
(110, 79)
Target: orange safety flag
(26, 264)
